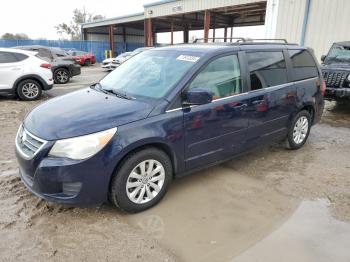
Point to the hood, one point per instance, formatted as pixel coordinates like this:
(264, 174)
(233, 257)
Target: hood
(337, 66)
(83, 112)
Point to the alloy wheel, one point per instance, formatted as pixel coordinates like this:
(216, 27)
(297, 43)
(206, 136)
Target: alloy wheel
(300, 130)
(145, 181)
(62, 76)
(30, 90)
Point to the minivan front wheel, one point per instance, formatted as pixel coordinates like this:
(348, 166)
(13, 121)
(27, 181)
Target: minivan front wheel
(299, 130)
(141, 181)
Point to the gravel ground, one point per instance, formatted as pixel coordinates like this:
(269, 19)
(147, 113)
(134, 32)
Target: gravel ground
(264, 188)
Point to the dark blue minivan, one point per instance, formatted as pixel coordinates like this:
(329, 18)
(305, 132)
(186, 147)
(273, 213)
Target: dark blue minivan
(165, 113)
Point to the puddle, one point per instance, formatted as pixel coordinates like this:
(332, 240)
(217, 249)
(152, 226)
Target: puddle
(214, 215)
(220, 215)
(311, 234)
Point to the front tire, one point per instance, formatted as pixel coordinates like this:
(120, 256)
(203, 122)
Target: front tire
(61, 76)
(299, 130)
(29, 90)
(141, 180)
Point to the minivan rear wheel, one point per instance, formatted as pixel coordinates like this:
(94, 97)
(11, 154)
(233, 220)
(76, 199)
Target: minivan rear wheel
(141, 180)
(29, 90)
(299, 130)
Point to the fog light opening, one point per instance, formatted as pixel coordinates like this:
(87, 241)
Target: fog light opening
(71, 189)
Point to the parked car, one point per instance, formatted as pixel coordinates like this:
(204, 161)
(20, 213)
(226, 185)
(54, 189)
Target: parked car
(166, 113)
(82, 58)
(24, 74)
(336, 71)
(112, 63)
(63, 67)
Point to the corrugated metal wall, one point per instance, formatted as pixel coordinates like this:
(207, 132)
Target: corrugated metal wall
(191, 6)
(328, 22)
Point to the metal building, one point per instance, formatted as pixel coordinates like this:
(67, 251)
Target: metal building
(314, 23)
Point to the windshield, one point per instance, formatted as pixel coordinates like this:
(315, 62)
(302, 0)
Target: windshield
(150, 74)
(339, 53)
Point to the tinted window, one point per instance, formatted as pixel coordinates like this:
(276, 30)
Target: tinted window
(20, 57)
(44, 53)
(304, 65)
(222, 77)
(6, 57)
(266, 69)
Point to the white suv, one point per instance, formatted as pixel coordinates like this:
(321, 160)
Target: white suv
(24, 74)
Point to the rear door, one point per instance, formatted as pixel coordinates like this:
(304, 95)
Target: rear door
(216, 131)
(272, 96)
(10, 69)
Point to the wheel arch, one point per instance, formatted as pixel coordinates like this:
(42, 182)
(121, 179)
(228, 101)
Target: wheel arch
(28, 77)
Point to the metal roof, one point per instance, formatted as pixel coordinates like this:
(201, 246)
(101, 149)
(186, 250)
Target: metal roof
(115, 20)
(159, 3)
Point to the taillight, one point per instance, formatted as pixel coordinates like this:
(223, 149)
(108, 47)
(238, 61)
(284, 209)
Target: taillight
(323, 88)
(47, 66)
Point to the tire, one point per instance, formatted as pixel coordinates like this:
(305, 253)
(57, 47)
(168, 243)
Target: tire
(61, 76)
(299, 130)
(87, 62)
(129, 174)
(29, 90)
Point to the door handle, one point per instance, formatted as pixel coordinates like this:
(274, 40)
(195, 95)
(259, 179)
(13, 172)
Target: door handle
(16, 68)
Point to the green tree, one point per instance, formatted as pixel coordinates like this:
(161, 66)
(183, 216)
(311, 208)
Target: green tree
(9, 36)
(72, 29)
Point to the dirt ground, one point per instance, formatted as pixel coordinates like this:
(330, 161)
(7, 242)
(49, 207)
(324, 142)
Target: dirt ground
(232, 211)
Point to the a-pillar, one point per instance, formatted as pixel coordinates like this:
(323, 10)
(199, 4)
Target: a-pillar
(206, 25)
(148, 32)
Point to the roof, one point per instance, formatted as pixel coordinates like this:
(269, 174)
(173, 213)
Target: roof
(159, 3)
(115, 20)
(13, 50)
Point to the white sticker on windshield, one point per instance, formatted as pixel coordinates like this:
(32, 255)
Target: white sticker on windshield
(188, 58)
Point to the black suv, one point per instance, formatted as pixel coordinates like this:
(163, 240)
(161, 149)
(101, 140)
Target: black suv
(63, 67)
(336, 71)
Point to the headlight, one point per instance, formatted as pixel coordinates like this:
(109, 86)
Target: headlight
(82, 147)
(348, 78)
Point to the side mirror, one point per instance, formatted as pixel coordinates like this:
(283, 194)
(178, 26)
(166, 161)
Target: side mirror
(323, 57)
(197, 96)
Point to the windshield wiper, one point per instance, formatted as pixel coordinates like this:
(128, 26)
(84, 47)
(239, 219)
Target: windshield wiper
(97, 86)
(120, 94)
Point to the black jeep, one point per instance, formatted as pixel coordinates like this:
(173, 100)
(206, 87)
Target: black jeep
(336, 71)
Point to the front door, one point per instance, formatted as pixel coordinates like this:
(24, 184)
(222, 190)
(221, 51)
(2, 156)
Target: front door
(216, 131)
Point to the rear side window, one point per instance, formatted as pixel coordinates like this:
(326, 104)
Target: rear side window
(221, 76)
(7, 57)
(20, 57)
(44, 53)
(266, 69)
(304, 66)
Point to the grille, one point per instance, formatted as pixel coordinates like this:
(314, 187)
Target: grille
(27, 144)
(334, 79)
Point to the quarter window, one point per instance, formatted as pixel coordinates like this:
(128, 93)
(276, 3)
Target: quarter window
(222, 77)
(6, 57)
(304, 66)
(266, 69)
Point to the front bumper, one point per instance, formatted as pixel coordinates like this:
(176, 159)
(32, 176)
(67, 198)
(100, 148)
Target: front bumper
(109, 66)
(332, 93)
(67, 181)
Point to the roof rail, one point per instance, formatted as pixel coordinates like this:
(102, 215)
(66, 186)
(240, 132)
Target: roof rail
(212, 39)
(266, 40)
(240, 40)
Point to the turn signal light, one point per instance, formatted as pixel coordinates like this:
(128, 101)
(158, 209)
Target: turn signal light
(47, 66)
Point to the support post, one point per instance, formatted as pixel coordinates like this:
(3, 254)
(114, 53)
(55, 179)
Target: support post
(124, 38)
(206, 25)
(231, 35)
(172, 33)
(148, 32)
(186, 34)
(225, 34)
(214, 28)
(111, 39)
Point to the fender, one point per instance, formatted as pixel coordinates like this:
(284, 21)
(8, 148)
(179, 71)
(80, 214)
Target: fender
(38, 78)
